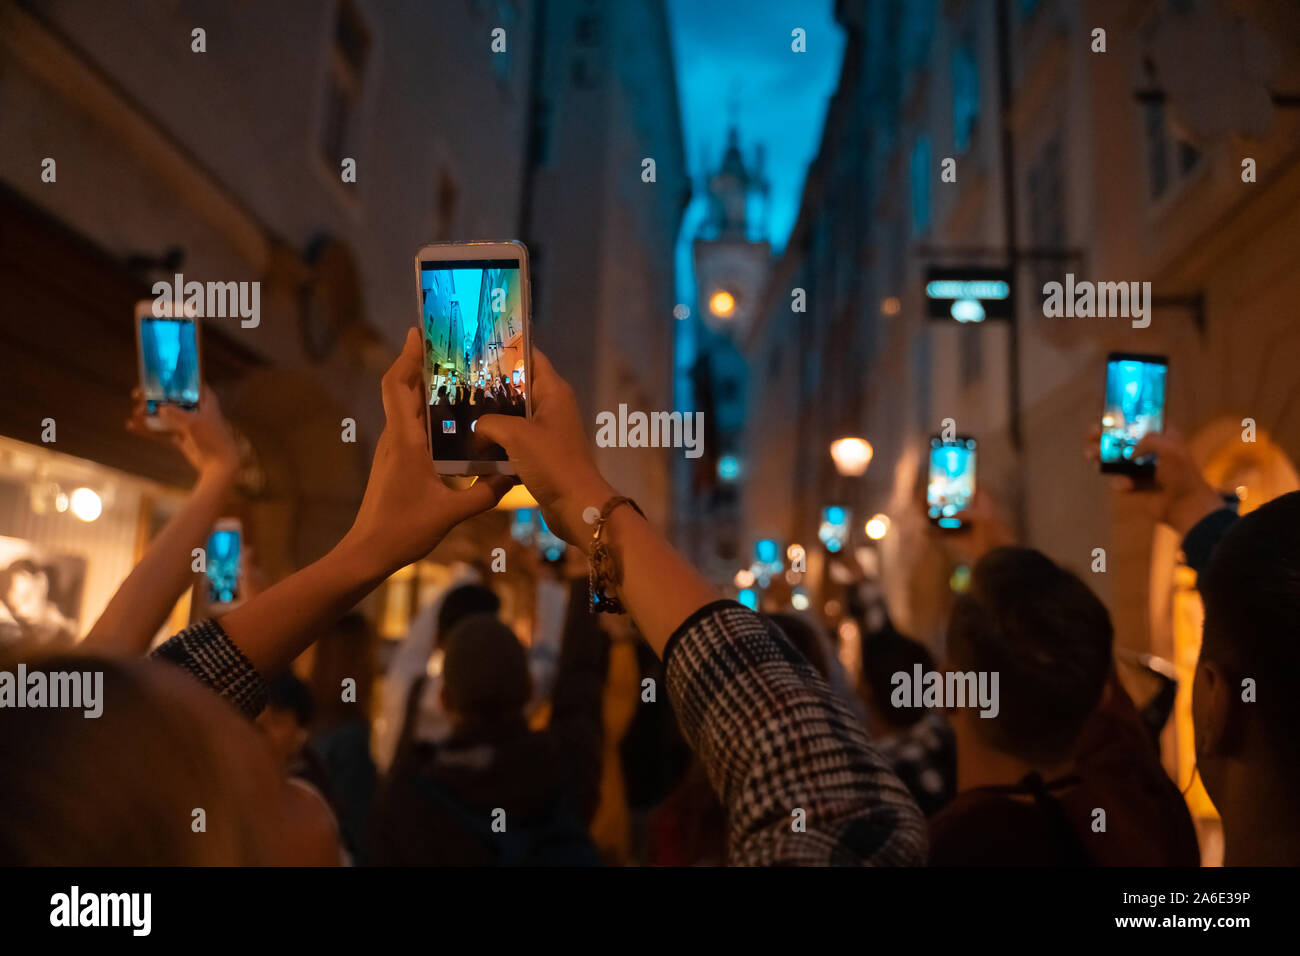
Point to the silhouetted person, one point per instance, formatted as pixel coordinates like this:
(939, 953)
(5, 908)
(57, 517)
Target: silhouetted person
(1245, 709)
(1030, 784)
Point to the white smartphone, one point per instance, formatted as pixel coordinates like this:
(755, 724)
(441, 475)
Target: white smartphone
(474, 307)
(167, 344)
(225, 564)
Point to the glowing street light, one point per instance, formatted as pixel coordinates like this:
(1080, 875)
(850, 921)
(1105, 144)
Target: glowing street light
(851, 456)
(86, 504)
(877, 527)
(722, 304)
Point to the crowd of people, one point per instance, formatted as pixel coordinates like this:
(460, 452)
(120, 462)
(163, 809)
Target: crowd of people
(489, 396)
(749, 743)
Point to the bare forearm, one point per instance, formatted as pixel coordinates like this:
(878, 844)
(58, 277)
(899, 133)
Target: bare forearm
(277, 625)
(141, 604)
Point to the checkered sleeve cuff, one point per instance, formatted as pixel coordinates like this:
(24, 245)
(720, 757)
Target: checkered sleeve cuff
(801, 783)
(204, 650)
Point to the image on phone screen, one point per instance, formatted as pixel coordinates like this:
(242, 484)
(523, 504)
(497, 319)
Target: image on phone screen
(952, 481)
(169, 363)
(1135, 405)
(224, 548)
(474, 352)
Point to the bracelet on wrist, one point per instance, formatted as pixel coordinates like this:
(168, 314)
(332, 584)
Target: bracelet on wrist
(604, 576)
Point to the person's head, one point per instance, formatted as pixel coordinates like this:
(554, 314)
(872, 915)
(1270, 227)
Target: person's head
(885, 652)
(801, 634)
(1245, 711)
(168, 774)
(1048, 637)
(287, 717)
(463, 601)
(484, 672)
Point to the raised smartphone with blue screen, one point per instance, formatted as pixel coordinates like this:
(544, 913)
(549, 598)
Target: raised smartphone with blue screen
(1134, 407)
(952, 481)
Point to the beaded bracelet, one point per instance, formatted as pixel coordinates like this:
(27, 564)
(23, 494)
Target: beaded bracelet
(604, 577)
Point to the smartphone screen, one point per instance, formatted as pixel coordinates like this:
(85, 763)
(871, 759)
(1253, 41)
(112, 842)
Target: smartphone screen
(169, 362)
(1135, 405)
(223, 562)
(952, 481)
(473, 320)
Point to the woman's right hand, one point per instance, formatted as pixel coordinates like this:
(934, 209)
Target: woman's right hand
(551, 454)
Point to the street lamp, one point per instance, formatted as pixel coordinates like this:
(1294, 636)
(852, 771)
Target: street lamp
(851, 456)
(722, 304)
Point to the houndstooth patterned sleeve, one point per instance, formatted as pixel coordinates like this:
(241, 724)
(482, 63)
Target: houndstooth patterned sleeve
(774, 738)
(208, 654)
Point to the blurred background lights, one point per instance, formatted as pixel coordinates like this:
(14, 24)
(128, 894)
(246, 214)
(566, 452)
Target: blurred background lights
(86, 504)
(877, 527)
(851, 455)
(722, 304)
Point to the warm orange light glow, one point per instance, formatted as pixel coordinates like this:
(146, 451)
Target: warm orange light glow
(517, 497)
(891, 306)
(744, 578)
(851, 455)
(877, 527)
(722, 304)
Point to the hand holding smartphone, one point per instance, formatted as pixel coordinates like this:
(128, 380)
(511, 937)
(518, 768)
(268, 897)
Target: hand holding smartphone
(1134, 408)
(474, 321)
(167, 342)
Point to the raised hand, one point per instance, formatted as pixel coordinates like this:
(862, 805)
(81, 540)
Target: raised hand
(202, 436)
(551, 454)
(1179, 495)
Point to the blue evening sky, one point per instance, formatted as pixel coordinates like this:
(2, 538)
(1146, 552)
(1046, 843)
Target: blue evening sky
(734, 62)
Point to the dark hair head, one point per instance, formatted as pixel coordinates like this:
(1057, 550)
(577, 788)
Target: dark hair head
(804, 638)
(1049, 639)
(1251, 592)
(484, 669)
(885, 653)
(119, 789)
(287, 692)
(462, 601)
